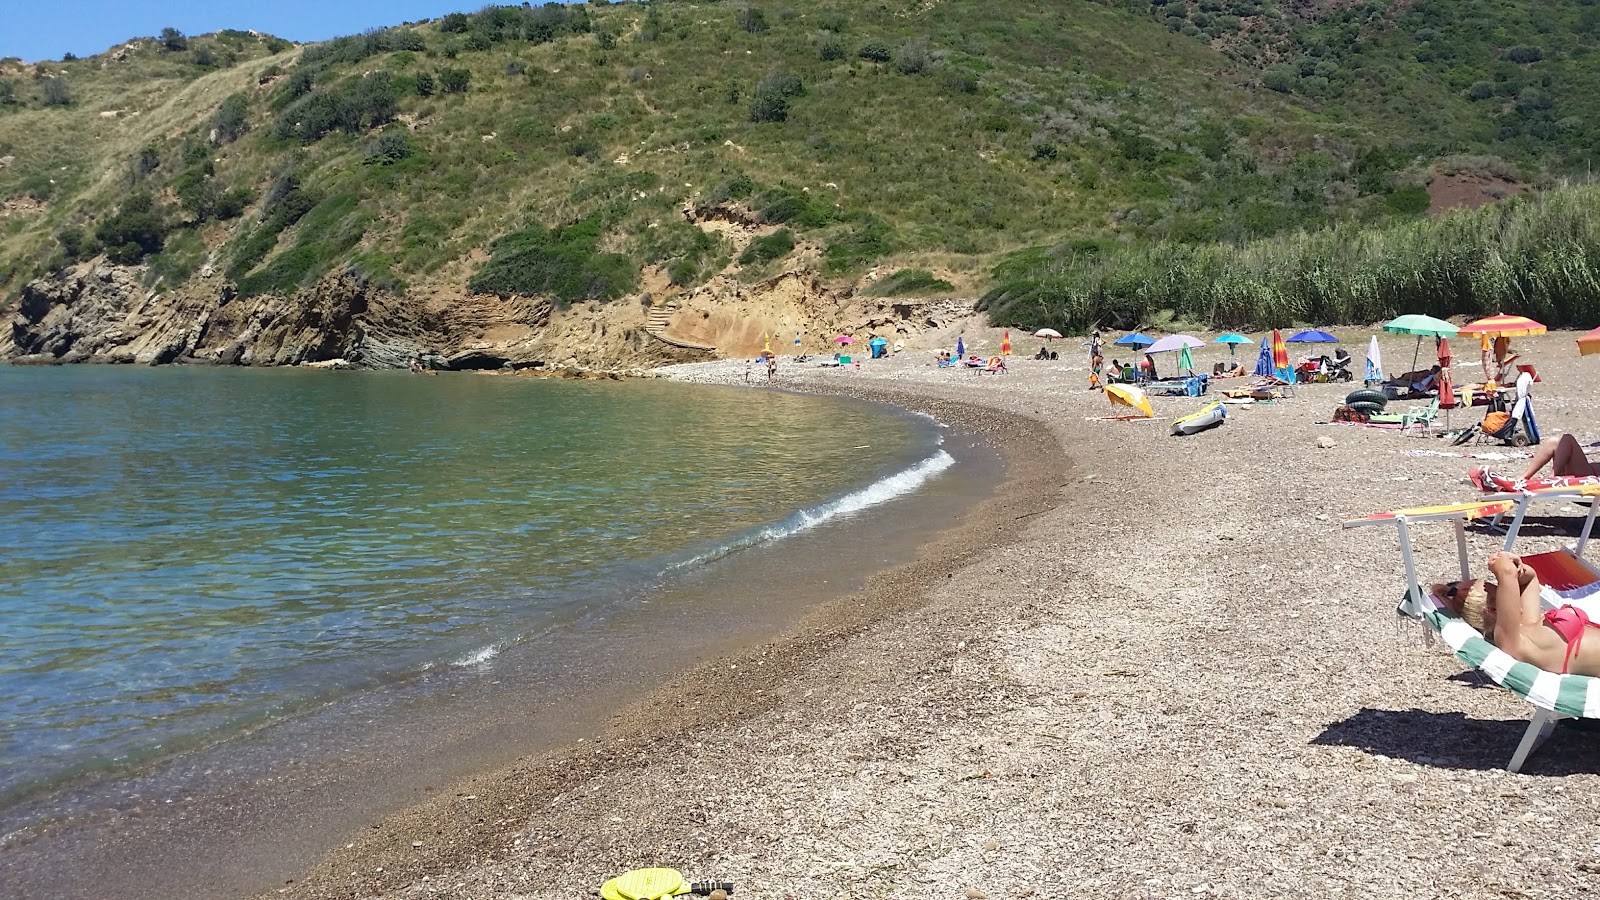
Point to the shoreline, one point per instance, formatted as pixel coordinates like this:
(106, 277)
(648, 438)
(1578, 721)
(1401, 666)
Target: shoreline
(704, 698)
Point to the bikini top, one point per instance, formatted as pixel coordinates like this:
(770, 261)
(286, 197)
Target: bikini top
(1569, 622)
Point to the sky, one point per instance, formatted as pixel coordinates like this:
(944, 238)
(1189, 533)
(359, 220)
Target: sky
(41, 29)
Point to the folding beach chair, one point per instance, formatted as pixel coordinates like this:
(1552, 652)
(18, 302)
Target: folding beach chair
(1567, 577)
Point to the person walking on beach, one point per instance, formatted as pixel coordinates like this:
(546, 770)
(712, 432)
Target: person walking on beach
(772, 367)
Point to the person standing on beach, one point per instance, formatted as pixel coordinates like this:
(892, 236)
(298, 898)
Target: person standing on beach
(772, 367)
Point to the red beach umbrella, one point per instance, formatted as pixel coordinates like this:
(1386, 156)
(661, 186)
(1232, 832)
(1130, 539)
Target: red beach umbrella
(1005, 343)
(1444, 352)
(1280, 351)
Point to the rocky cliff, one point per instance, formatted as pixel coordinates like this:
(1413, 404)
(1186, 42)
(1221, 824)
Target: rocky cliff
(105, 313)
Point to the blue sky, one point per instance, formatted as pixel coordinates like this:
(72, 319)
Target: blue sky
(42, 29)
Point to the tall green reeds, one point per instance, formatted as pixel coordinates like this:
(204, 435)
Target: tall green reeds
(1536, 255)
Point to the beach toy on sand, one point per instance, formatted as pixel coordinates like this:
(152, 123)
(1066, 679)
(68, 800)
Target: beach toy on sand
(653, 884)
(1207, 416)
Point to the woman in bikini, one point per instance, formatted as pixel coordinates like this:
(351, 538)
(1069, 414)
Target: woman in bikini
(1507, 612)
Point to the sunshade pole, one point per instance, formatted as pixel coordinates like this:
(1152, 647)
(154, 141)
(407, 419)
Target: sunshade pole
(1588, 527)
(1461, 549)
(1516, 521)
(1413, 588)
(1415, 353)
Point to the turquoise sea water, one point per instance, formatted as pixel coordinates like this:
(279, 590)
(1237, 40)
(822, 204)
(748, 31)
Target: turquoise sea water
(184, 552)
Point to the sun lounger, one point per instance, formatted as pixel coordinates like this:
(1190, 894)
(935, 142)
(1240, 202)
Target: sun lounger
(1568, 579)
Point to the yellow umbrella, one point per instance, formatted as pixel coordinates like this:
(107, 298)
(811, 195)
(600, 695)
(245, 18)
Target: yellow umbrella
(1131, 397)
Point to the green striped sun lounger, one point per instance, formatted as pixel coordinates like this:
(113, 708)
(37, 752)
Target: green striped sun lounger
(1555, 697)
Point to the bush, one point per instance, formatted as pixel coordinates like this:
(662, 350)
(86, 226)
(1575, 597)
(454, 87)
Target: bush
(424, 84)
(562, 262)
(605, 40)
(752, 20)
(8, 92)
(56, 92)
(830, 48)
(960, 82)
(454, 81)
(173, 40)
(205, 58)
(390, 147)
(876, 51)
(1411, 200)
(455, 23)
(1480, 90)
(771, 101)
(912, 57)
(135, 231)
(869, 240)
(768, 247)
(910, 282)
(231, 122)
(354, 105)
(1523, 54)
(75, 244)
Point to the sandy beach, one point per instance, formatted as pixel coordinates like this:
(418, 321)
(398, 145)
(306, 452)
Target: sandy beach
(1150, 667)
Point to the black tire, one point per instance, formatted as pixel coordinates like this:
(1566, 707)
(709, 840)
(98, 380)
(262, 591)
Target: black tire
(1366, 396)
(1519, 439)
(1366, 407)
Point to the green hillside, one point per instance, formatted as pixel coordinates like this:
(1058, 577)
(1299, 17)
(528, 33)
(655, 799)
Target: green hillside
(553, 149)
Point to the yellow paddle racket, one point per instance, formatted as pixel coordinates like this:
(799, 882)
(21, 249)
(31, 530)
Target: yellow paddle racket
(645, 884)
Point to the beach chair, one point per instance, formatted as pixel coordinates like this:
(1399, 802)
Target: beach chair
(1567, 578)
(996, 366)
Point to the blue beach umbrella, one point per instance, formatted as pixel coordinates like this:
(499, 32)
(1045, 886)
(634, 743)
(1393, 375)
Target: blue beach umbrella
(1311, 336)
(961, 349)
(1232, 340)
(1134, 340)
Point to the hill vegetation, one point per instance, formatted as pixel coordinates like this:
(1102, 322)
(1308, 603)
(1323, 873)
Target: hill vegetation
(555, 149)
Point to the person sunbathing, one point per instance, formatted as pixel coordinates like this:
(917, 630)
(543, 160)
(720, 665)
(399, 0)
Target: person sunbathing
(1506, 611)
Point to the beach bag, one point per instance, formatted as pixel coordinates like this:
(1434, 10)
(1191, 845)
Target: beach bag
(1495, 422)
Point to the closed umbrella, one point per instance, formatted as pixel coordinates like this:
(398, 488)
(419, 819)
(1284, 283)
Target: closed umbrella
(1005, 343)
(1280, 356)
(1185, 361)
(1447, 389)
(961, 350)
(1374, 362)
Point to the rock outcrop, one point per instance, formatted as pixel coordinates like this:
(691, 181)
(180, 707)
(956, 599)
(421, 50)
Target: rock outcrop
(100, 312)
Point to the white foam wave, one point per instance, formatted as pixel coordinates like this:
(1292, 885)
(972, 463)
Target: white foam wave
(478, 657)
(879, 492)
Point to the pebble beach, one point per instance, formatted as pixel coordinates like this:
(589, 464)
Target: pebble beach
(1149, 667)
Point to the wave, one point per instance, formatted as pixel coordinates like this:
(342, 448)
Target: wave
(477, 657)
(879, 492)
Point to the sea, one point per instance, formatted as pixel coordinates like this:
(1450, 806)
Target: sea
(200, 558)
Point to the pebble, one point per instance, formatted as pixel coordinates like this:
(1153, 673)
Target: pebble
(975, 894)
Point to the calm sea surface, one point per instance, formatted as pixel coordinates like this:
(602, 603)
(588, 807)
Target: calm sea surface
(188, 552)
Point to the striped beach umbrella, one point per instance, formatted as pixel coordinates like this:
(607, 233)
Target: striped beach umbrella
(1502, 325)
(1005, 343)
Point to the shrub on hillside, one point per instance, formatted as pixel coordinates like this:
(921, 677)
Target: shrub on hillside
(391, 147)
(135, 231)
(768, 247)
(1410, 200)
(876, 51)
(424, 84)
(910, 282)
(454, 81)
(56, 92)
(1523, 53)
(912, 57)
(8, 92)
(231, 121)
(752, 20)
(869, 240)
(173, 40)
(455, 23)
(830, 48)
(353, 105)
(561, 262)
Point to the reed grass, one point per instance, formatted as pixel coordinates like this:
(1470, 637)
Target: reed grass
(1536, 255)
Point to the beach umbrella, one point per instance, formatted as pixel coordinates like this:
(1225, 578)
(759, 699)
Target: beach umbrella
(1185, 361)
(844, 339)
(1421, 326)
(1005, 343)
(1374, 362)
(766, 343)
(961, 349)
(1443, 349)
(1280, 351)
(1447, 390)
(1174, 342)
(797, 342)
(1232, 340)
(1312, 336)
(1264, 358)
(1589, 343)
(1131, 397)
(1134, 340)
(1502, 325)
(1048, 334)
